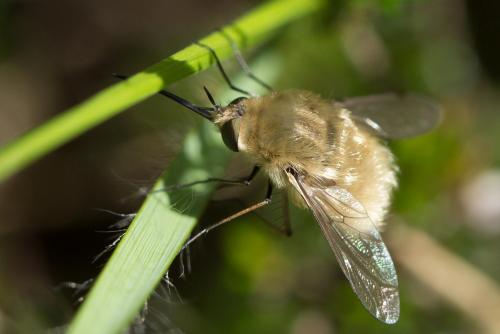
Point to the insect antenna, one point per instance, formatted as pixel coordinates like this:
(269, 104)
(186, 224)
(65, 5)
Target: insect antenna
(205, 112)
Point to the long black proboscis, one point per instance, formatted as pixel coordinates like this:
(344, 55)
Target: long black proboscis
(205, 112)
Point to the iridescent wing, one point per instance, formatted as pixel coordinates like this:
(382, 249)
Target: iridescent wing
(394, 116)
(357, 245)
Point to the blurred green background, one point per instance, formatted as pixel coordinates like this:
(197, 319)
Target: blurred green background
(444, 231)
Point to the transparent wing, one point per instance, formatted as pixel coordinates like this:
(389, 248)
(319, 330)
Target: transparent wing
(357, 245)
(394, 116)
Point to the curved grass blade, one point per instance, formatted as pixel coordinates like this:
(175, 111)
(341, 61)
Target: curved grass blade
(154, 238)
(254, 27)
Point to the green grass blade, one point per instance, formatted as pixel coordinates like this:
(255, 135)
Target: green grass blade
(247, 31)
(160, 228)
(153, 239)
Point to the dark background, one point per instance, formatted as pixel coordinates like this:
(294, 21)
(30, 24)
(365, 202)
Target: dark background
(245, 278)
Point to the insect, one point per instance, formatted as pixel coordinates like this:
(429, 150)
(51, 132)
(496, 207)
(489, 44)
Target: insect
(329, 157)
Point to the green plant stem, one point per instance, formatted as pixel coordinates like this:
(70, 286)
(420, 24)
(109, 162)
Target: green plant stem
(247, 31)
(159, 229)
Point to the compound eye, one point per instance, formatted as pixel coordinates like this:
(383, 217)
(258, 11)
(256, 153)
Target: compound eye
(237, 100)
(230, 132)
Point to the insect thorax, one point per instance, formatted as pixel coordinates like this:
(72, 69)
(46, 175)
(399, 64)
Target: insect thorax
(288, 127)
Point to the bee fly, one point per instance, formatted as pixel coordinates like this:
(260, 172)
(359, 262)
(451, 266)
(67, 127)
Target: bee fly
(328, 157)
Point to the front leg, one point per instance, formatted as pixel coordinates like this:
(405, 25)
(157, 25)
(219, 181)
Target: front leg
(245, 181)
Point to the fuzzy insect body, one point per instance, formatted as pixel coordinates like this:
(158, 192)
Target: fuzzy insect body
(320, 140)
(330, 158)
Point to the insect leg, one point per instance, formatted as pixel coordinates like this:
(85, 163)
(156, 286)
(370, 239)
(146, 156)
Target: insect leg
(243, 64)
(222, 71)
(251, 208)
(143, 191)
(245, 181)
(286, 227)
